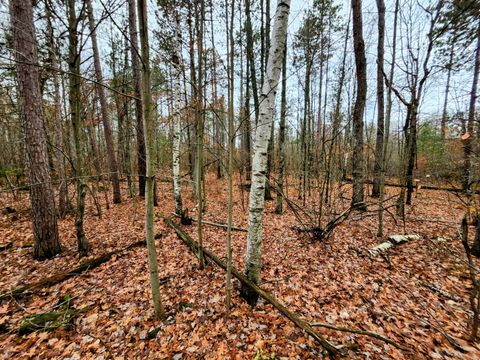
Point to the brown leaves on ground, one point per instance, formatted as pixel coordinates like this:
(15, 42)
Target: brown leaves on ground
(334, 281)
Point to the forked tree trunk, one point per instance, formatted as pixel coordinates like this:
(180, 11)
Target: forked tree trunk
(361, 68)
(45, 229)
(137, 84)
(149, 125)
(74, 99)
(265, 120)
(107, 129)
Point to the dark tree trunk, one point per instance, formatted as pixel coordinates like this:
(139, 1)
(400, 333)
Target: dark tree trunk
(141, 157)
(45, 229)
(378, 167)
(361, 68)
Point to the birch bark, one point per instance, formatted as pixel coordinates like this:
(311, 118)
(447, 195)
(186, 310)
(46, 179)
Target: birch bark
(176, 119)
(262, 134)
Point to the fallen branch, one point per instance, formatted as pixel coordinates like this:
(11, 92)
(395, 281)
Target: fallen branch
(331, 349)
(224, 226)
(361, 332)
(442, 292)
(58, 278)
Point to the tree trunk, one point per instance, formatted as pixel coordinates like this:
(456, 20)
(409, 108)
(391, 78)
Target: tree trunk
(177, 63)
(47, 243)
(281, 135)
(443, 126)
(200, 122)
(231, 143)
(468, 142)
(137, 84)
(265, 120)
(149, 125)
(251, 59)
(361, 68)
(75, 113)
(378, 167)
(111, 158)
(59, 153)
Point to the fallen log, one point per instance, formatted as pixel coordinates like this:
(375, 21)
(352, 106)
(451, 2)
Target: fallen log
(392, 240)
(331, 349)
(58, 278)
(224, 226)
(361, 332)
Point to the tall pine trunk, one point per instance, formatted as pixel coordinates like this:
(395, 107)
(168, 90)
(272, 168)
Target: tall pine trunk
(45, 231)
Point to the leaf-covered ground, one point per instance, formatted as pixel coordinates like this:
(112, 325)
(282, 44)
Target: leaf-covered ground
(334, 281)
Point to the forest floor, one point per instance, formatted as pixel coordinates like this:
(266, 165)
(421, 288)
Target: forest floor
(334, 281)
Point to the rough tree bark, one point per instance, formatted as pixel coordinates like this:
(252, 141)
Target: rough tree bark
(265, 120)
(149, 125)
(45, 229)
(107, 129)
(137, 84)
(357, 118)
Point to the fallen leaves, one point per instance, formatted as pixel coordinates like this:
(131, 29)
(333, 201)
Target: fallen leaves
(334, 281)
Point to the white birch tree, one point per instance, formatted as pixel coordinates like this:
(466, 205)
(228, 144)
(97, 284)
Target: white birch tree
(177, 88)
(262, 134)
